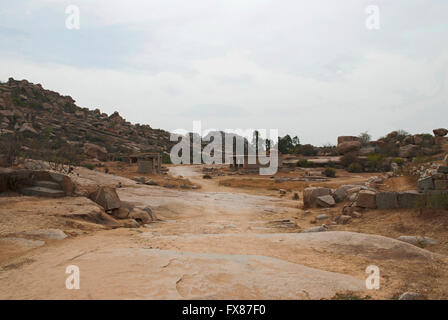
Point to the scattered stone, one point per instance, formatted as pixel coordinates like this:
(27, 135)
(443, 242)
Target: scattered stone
(151, 182)
(322, 217)
(366, 199)
(322, 228)
(296, 196)
(386, 200)
(356, 214)
(106, 197)
(418, 241)
(311, 194)
(282, 191)
(343, 219)
(206, 176)
(341, 193)
(442, 169)
(410, 296)
(325, 201)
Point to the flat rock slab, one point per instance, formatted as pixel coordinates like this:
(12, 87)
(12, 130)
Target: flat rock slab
(42, 192)
(164, 274)
(50, 234)
(26, 244)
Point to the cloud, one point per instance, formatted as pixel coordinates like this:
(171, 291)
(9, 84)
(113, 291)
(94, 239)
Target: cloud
(308, 68)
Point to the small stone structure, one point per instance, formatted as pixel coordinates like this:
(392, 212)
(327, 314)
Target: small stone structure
(147, 162)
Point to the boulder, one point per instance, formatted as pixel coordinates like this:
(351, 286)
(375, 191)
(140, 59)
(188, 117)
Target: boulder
(408, 151)
(425, 184)
(140, 215)
(311, 194)
(106, 197)
(341, 193)
(129, 223)
(95, 151)
(410, 199)
(322, 228)
(342, 139)
(418, 241)
(441, 132)
(325, 201)
(386, 200)
(365, 151)
(120, 213)
(410, 296)
(349, 146)
(366, 199)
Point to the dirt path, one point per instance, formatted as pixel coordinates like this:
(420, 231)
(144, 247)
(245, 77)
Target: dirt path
(212, 243)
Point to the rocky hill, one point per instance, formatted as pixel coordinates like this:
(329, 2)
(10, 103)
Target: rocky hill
(50, 126)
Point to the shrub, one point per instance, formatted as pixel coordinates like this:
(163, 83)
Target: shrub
(328, 172)
(305, 163)
(89, 166)
(399, 161)
(354, 167)
(349, 158)
(166, 159)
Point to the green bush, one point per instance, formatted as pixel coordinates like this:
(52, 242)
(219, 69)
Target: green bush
(303, 163)
(355, 167)
(166, 159)
(328, 172)
(399, 161)
(89, 166)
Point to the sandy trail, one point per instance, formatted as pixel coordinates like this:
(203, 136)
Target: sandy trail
(209, 244)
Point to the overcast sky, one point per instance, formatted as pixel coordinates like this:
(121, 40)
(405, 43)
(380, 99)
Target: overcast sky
(309, 68)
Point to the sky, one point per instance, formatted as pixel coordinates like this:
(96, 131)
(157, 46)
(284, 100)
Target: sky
(307, 68)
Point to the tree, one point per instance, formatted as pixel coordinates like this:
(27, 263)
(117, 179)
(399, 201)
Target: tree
(365, 137)
(10, 147)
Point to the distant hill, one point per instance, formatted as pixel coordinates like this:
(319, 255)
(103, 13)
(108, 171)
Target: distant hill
(50, 126)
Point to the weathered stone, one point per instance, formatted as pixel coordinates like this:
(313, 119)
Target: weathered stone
(366, 199)
(120, 213)
(436, 199)
(129, 223)
(441, 184)
(411, 296)
(440, 132)
(311, 194)
(425, 184)
(322, 228)
(386, 200)
(442, 169)
(341, 193)
(106, 197)
(418, 241)
(50, 234)
(350, 146)
(139, 215)
(365, 151)
(322, 217)
(410, 199)
(325, 201)
(408, 151)
(343, 219)
(342, 139)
